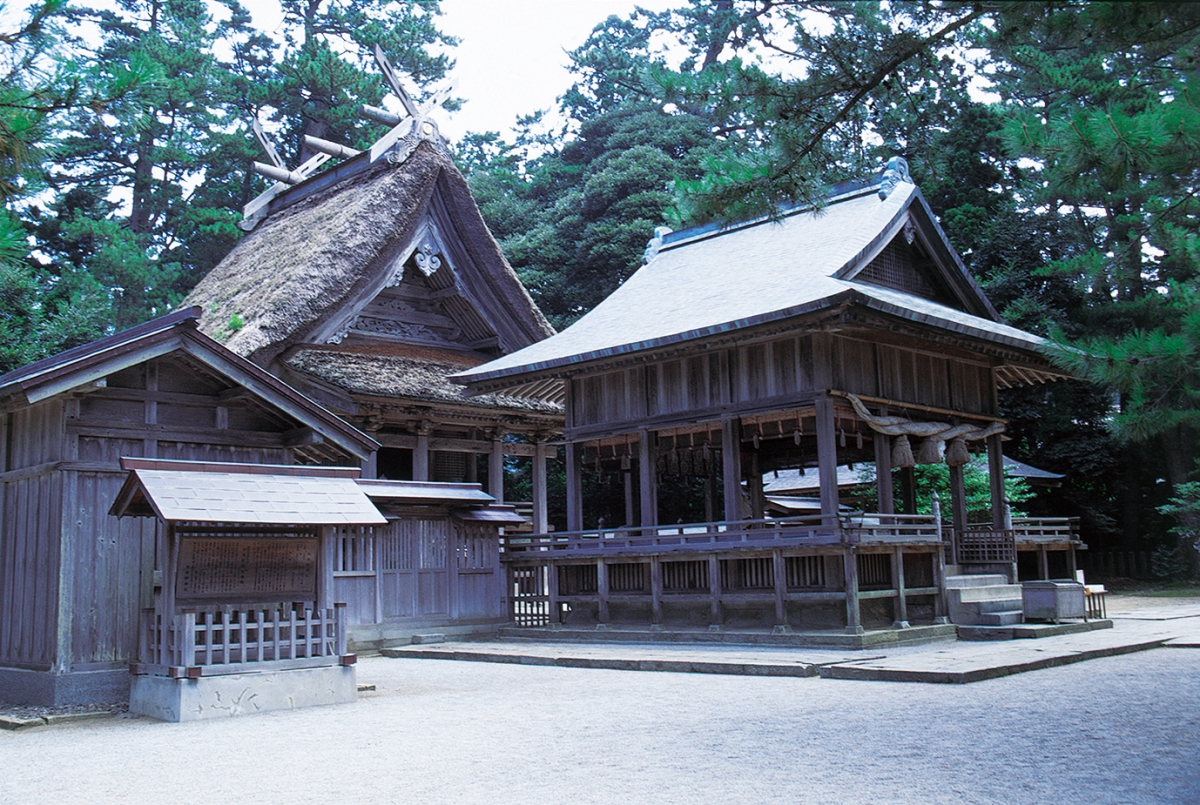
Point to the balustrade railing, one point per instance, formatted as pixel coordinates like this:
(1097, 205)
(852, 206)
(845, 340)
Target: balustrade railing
(228, 639)
(726, 535)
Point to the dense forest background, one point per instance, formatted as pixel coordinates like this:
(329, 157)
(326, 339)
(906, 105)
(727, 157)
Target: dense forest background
(1055, 140)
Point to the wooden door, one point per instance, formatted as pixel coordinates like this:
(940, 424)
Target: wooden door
(415, 568)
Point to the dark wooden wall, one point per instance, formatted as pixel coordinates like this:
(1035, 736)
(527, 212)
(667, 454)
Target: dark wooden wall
(779, 372)
(73, 579)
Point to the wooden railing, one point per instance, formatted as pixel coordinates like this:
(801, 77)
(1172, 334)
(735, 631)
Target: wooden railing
(725, 535)
(211, 641)
(1046, 529)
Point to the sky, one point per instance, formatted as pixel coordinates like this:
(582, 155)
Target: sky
(512, 57)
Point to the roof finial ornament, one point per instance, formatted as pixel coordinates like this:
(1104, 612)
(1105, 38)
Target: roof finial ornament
(410, 128)
(655, 243)
(895, 172)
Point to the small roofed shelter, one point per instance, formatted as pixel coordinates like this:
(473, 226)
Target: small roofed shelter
(246, 620)
(816, 338)
(74, 579)
(365, 286)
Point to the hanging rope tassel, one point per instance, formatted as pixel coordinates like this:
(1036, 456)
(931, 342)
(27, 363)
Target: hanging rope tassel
(902, 455)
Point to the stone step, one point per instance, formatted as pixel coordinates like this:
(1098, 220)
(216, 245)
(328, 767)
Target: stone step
(993, 592)
(1005, 618)
(978, 580)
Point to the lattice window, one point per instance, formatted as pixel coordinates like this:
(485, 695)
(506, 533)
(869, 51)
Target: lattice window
(397, 549)
(450, 467)
(898, 267)
(748, 574)
(681, 577)
(577, 580)
(432, 548)
(355, 550)
(627, 578)
(804, 571)
(874, 571)
(476, 548)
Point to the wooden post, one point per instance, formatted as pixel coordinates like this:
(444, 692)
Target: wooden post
(602, 591)
(656, 591)
(901, 613)
(186, 628)
(827, 457)
(996, 476)
(777, 561)
(339, 627)
(630, 515)
(472, 468)
(496, 467)
(757, 502)
(1043, 564)
(850, 568)
(574, 486)
(958, 500)
(883, 472)
(541, 514)
(420, 468)
(552, 594)
(731, 467)
(167, 596)
(715, 616)
(648, 476)
(908, 488)
(939, 581)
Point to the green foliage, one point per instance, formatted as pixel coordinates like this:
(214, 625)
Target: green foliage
(935, 478)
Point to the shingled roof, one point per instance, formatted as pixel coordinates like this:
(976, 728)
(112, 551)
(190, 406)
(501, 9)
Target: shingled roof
(328, 253)
(706, 282)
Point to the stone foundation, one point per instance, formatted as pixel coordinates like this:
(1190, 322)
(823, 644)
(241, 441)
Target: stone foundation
(241, 694)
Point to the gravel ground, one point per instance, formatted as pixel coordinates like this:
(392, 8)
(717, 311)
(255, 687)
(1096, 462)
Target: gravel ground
(1117, 730)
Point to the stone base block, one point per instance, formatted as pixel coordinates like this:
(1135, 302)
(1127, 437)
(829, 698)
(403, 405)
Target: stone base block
(241, 694)
(47, 689)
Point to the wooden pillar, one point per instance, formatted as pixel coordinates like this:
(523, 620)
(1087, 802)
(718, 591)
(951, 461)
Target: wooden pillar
(421, 454)
(755, 483)
(574, 486)
(827, 457)
(648, 476)
(709, 491)
(1043, 564)
(901, 619)
(996, 476)
(552, 594)
(167, 596)
(731, 467)
(908, 489)
(715, 615)
(883, 473)
(601, 591)
(496, 468)
(939, 581)
(850, 569)
(958, 500)
(777, 560)
(541, 512)
(630, 514)
(370, 465)
(472, 468)
(656, 591)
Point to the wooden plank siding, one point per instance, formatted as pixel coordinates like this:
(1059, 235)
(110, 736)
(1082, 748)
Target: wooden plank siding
(784, 371)
(73, 579)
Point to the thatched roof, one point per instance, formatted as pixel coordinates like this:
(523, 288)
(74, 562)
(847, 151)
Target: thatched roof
(402, 370)
(310, 262)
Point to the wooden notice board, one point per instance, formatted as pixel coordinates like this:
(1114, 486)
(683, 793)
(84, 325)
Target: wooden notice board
(246, 569)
